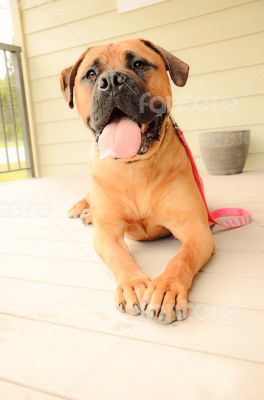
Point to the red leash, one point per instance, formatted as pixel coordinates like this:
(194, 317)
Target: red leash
(240, 217)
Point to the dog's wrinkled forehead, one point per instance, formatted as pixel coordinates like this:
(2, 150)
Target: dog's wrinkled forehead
(118, 56)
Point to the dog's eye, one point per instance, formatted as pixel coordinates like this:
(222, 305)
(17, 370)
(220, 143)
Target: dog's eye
(90, 74)
(139, 64)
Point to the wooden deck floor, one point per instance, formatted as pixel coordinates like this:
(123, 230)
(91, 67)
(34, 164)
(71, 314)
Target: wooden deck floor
(61, 337)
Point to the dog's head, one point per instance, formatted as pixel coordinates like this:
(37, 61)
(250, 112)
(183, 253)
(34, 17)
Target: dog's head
(129, 79)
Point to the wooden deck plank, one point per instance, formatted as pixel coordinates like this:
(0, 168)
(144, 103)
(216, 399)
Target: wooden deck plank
(14, 391)
(49, 357)
(158, 372)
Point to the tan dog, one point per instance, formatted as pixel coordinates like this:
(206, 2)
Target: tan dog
(147, 196)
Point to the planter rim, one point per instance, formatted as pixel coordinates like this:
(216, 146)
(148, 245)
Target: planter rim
(224, 138)
(226, 132)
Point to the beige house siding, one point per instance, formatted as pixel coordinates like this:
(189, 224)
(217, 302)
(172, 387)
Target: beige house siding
(222, 41)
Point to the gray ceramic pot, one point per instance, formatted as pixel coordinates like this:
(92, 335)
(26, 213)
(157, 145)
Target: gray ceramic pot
(224, 153)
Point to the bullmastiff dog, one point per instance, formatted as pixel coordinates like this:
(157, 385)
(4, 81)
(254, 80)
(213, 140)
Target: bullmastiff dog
(142, 184)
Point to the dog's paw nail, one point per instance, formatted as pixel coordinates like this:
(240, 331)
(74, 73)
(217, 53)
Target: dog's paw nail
(121, 307)
(136, 309)
(144, 305)
(180, 315)
(162, 318)
(70, 216)
(152, 314)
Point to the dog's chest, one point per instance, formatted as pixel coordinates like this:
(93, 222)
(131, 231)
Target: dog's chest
(142, 219)
(136, 192)
(141, 202)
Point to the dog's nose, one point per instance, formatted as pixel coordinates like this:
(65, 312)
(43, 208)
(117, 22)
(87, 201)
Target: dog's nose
(110, 80)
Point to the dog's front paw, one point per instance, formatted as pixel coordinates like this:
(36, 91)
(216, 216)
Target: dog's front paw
(129, 295)
(165, 299)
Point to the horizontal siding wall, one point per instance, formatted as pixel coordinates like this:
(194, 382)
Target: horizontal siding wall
(222, 41)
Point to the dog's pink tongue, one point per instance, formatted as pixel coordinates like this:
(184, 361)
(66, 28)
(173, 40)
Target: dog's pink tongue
(119, 139)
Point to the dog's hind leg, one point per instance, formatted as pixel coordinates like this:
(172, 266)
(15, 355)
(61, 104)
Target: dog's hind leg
(78, 208)
(86, 216)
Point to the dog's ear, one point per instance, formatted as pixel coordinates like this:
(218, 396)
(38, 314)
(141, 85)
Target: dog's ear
(177, 68)
(67, 78)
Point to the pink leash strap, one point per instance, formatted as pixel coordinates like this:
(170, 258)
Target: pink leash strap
(240, 217)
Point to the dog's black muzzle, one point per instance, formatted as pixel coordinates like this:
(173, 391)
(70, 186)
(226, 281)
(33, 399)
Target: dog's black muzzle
(117, 93)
